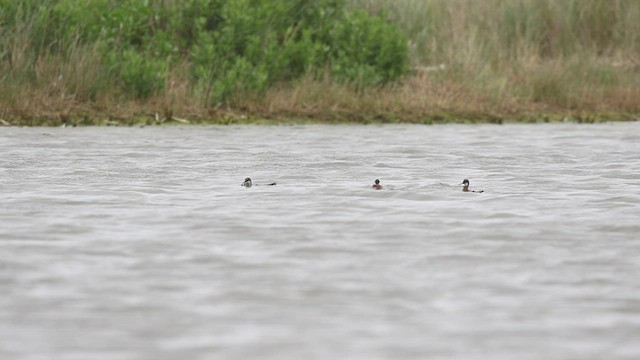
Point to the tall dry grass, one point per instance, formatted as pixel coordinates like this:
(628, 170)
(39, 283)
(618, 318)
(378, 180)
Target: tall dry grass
(562, 54)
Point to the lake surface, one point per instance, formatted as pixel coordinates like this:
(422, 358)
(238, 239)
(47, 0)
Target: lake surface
(140, 243)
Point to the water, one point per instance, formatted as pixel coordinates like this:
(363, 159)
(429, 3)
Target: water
(129, 243)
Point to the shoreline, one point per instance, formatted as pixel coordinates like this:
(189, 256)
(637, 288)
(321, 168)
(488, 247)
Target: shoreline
(424, 62)
(59, 120)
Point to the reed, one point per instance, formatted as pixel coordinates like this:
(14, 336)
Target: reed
(564, 54)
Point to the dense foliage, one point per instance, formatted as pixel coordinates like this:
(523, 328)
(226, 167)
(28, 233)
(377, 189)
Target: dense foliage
(231, 47)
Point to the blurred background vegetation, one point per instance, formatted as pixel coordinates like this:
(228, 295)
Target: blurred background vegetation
(404, 60)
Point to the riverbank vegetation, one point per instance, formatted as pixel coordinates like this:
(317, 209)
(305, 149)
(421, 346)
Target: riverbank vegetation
(146, 61)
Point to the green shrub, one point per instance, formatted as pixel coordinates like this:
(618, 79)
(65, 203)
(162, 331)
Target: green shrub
(259, 43)
(141, 76)
(234, 47)
(367, 50)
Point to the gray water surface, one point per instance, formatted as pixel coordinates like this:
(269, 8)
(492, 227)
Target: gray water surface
(129, 243)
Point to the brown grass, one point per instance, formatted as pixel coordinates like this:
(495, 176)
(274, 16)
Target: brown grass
(420, 98)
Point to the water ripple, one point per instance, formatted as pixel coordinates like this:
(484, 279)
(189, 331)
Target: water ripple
(126, 243)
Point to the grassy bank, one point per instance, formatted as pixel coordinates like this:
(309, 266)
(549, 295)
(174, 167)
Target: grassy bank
(466, 60)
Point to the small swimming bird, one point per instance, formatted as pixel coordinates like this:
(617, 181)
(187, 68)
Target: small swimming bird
(248, 183)
(465, 182)
(377, 185)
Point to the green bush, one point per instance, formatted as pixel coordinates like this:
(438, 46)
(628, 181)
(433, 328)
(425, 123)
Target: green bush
(233, 47)
(367, 50)
(259, 43)
(141, 76)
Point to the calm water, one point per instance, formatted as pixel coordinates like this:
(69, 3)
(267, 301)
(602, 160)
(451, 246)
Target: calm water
(129, 243)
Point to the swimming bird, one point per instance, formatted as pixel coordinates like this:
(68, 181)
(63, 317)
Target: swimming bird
(248, 183)
(377, 185)
(465, 182)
